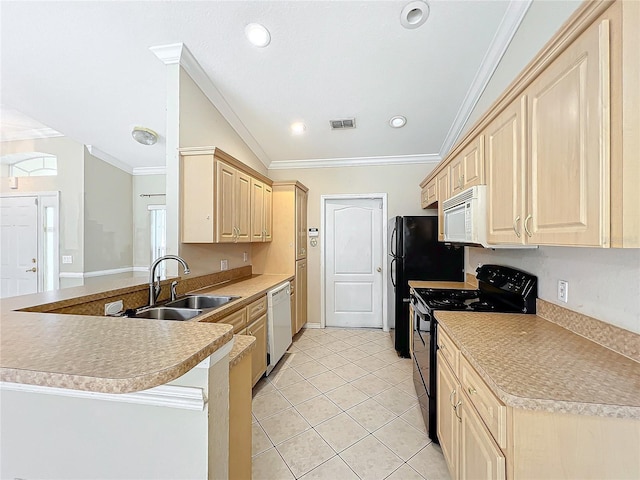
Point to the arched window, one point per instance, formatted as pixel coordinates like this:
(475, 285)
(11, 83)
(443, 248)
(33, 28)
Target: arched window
(31, 164)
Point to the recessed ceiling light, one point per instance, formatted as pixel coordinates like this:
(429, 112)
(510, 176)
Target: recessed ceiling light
(257, 34)
(298, 128)
(398, 121)
(145, 136)
(414, 14)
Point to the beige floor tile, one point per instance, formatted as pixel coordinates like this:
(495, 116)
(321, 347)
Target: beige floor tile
(298, 358)
(347, 396)
(284, 425)
(324, 340)
(326, 381)
(372, 347)
(371, 415)
(405, 472)
(305, 344)
(391, 374)
(317, 410)
(312, 332)
(350, 372)
(395, 400)
(285, 377)
(407, 387)
(371, 385)
(269, 466)
(353, 340)
(430, 463)
(389, 356)
(343, 333)
(333, 360)
(338, 345)
(414, 417)
(332, 469)
(263, 386)
(310, 369)
(318, 352)
(259, 440)
(299, 392)
(341, 432)
(402, 439)
(269, 404)
(354, 354)
(370, 459)
(374, 334)
(305, 452)
(371, 363)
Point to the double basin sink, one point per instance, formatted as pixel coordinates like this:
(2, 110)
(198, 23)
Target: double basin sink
(185, 308)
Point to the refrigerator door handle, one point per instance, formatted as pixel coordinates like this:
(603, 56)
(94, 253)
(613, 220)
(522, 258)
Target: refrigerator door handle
(393, 234)
(392, 272)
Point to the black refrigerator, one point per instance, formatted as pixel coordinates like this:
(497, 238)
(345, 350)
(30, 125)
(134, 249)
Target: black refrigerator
(416, 254)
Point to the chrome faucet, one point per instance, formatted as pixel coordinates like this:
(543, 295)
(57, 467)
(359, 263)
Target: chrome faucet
(154, 287)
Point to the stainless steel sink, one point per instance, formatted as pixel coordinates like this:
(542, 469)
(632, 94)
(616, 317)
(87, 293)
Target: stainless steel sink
(201, 301)
(165, 313)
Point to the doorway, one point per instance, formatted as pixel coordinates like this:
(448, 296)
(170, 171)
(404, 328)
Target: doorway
(353, 289)
(29, 237)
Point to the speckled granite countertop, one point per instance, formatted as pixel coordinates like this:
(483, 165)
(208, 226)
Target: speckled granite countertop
(112, 354)
(431, 284)
(535, 364)
(242, 346)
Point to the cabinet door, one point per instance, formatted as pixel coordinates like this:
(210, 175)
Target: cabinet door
(505, 175)
(294, 324)
(301, 294)
(197, 199)
(225, 196)
(456, 175)
(443, 194)
(257, 210)
(242, 207)
(568, 171)
(448, 422)
(268, 213)
(473, 163)
(480, 457)
(258, 329)
(301, 224)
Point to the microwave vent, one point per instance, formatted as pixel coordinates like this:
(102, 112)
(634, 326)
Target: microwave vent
(342, 124)
(461, 197)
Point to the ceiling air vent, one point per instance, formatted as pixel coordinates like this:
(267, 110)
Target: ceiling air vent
(342, 124)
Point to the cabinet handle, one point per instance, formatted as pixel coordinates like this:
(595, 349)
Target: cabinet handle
(529, 217)
(453, 392)
(515, 226)
(455, 409)
(472, 391)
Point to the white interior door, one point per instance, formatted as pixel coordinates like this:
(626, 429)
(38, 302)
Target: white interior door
(353, 262)
(19, 242)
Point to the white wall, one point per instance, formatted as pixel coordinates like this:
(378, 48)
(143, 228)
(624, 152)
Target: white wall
(201, 124)
(108, 216)
(603, 283)
(399, 182)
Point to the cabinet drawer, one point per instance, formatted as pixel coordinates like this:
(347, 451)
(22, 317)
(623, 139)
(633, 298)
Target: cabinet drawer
(257, 308)
(237, 319)
(448, 350)
(490, 408)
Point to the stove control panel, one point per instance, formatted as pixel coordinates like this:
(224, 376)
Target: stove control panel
(506, 278)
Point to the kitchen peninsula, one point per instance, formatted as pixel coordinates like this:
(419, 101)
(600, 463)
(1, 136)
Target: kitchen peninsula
(88, 396)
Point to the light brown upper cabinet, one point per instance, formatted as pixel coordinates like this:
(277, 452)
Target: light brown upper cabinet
(217, 194)
(301, 224)
(443, 184)
(467, 169)
(429, 194)
(261, 217)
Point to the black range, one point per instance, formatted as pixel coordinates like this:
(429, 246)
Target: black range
(500, 289)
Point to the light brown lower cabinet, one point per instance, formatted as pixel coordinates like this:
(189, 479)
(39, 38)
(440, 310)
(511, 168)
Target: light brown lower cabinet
(301, 295)
(258, 329)
(240, 420)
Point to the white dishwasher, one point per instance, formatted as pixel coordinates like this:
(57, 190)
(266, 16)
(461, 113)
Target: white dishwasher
(278, 324)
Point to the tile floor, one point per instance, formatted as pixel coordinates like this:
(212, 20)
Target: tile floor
(341, 405)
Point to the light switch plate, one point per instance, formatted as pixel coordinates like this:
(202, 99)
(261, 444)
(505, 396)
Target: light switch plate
(224, 264)
(67, 259)
(563, 291)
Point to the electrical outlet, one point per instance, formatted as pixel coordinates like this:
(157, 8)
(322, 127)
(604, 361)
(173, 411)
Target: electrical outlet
(224, 264)
(563, 291)
(67, 259)
(113, 308)
(245, 256)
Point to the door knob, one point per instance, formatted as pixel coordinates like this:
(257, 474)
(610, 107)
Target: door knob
(379, 269)
(34, 269)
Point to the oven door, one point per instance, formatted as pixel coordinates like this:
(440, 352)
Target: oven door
(422, 364)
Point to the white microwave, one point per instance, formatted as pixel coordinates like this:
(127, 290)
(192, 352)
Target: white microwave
(465, 217)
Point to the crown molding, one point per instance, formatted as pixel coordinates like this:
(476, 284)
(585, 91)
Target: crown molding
(105, 157)
(513, 16)
(150, 170)
(178, 53)
(356, 161)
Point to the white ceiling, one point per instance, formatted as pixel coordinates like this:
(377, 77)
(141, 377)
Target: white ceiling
(85, 68)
